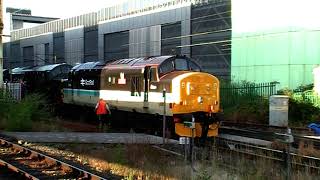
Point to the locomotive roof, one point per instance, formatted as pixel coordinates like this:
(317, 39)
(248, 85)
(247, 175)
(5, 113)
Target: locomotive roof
(42, 68)
(48, 67)
(138, 62)
(20, 70)
(88, 65)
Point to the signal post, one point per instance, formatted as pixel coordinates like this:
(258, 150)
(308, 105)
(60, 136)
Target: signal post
(1, 45)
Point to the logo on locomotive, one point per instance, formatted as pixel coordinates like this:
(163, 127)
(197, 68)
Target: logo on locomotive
(85, 82)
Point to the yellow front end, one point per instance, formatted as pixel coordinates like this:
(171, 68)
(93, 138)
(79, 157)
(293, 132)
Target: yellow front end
(197, 92)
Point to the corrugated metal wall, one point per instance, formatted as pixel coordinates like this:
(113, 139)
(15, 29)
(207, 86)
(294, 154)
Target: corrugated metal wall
(134, 7)
(91, 43)
(47, 54)
(211, 37)
(38, 43)
(28, 56)
(6, 55)
(171, 38)
(148, 23)
(15, 55)
(275, 46)
(58, 47)
(56, 26)
(138, 28)
(145, 41)
(116, 45)
(74, 47)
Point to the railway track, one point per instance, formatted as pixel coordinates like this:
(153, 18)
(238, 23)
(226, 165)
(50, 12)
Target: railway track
(18, 162)
(266, 128)
(297, 160)
(224, 147)
(268, 133)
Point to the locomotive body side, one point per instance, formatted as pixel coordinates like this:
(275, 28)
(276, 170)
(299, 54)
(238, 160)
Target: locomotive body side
(83, 86)
(125, 89)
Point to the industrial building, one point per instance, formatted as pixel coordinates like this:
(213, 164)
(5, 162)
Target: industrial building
(232, 39)
(133, 29)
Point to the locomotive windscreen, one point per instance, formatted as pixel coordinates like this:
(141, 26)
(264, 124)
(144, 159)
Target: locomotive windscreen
(178, 64)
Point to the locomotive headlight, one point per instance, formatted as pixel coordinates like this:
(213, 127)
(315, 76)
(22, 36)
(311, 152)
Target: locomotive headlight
(200, 100)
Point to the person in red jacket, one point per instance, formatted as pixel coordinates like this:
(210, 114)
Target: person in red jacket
(102, 111)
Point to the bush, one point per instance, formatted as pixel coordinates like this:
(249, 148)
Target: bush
(19, 116)
(301, 108)
(302, 111)
(5, 102)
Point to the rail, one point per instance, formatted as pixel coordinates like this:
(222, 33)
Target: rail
(266, 132)
(35, 165)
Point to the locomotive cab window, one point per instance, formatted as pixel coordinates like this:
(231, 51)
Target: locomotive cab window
(193, 66)
(166, 67)
(181, 65)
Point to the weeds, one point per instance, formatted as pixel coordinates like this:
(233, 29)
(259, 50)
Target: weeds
(21, 116)
(302, 106)
(244, 102)
(249, 102)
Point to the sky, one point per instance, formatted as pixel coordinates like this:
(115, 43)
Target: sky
(60, 8)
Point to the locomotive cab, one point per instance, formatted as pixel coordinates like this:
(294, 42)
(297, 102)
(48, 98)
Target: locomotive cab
(195, 95)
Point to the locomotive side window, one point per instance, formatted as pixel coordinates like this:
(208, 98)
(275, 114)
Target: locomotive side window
(153, 75)
(113, 80)
(181, 64)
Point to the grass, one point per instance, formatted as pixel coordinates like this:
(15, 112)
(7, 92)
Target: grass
(138, 161)
(305, 148)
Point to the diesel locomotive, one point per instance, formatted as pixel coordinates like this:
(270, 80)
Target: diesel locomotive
(173, 86)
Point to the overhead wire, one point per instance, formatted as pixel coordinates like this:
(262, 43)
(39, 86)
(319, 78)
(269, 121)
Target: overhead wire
(214, 42)
(176, 37)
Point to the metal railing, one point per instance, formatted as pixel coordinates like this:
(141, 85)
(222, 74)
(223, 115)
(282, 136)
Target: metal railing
(14, 90)
(233, 94)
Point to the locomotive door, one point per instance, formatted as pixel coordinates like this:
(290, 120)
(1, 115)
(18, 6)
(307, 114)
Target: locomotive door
(146, 86)
(150, 75)
(72, 86)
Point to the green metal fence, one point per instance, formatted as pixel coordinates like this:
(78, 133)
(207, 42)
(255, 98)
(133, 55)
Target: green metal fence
(308, 96)
(233, 94)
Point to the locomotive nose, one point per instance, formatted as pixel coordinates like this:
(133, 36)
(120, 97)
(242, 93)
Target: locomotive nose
(197, 92)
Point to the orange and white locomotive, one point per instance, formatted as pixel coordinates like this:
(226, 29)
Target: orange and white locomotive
(138, 85)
